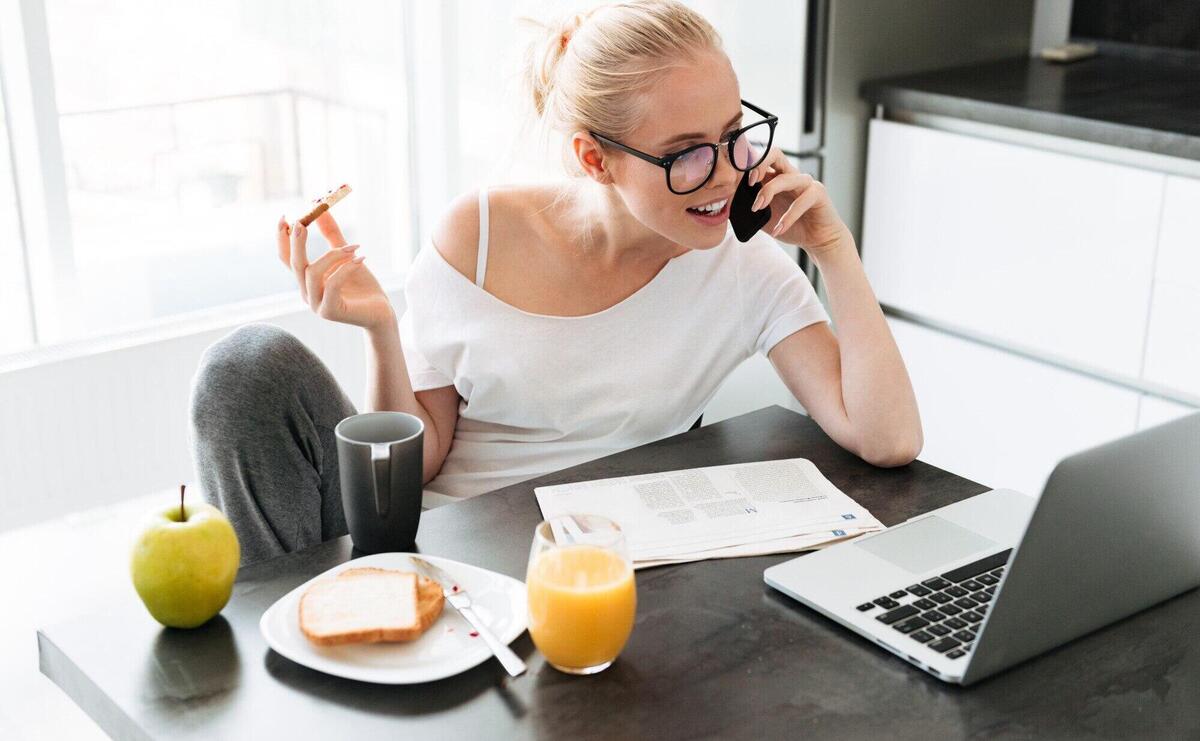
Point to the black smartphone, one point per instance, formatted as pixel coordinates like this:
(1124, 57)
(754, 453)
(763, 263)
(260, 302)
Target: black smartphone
(746, 222)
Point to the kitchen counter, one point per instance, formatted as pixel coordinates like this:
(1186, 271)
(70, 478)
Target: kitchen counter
(1131, 103)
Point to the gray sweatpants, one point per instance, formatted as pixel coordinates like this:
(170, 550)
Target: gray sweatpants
(263, 410)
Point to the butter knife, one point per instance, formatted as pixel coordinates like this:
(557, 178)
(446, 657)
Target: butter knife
(461, 601)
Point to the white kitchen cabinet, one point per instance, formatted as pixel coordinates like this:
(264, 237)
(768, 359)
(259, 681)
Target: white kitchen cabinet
(1002, 419)
(1044, 250)
(1173, 344)
(1155, 411)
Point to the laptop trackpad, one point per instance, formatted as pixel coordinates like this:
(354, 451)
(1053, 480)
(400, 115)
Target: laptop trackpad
(926, 544)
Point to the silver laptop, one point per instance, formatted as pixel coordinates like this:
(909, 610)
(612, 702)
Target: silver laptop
(968, 590)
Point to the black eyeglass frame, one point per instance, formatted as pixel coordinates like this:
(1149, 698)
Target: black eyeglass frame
(667, 160)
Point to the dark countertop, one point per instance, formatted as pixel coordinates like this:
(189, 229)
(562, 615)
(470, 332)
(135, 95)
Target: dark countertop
(1131, 103)
(715, 652)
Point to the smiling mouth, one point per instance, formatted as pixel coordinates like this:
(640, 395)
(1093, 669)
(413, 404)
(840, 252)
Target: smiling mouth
(711, 216)
(704, 212)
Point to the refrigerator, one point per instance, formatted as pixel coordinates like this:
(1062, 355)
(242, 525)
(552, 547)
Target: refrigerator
(777, 50)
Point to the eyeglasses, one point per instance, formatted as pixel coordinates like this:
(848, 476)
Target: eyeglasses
(689, 169)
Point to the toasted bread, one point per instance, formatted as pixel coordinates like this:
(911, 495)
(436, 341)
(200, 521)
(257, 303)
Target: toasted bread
(429, 594)
(367, 606)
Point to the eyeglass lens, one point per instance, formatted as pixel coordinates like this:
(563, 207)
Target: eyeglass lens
(692, 169)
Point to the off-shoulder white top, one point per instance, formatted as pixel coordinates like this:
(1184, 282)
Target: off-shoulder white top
(542, 392)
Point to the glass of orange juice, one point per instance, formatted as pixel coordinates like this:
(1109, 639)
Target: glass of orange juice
(581, 593)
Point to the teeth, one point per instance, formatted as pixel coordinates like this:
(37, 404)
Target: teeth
(711, 208)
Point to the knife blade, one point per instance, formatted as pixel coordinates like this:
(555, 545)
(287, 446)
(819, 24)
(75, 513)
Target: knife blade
(460, 600)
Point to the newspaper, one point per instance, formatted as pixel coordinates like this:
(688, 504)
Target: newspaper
(741, 509)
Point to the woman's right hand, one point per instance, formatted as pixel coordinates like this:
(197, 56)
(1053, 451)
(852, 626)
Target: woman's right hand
(337, 286)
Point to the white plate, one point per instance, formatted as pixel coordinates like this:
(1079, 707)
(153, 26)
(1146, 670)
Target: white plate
(445, 649)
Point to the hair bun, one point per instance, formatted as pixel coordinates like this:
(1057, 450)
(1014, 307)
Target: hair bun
(591, 70)
(569, 27)
(543, 56)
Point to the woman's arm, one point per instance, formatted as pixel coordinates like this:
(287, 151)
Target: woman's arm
(853, 384)
(389, 389)
(337, 286)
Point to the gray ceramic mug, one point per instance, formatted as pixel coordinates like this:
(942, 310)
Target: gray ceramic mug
(380, 462)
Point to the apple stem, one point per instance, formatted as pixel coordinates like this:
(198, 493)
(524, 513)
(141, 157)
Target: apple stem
(182, 516)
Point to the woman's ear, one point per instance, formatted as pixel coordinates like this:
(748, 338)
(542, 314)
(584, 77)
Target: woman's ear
(590, 157)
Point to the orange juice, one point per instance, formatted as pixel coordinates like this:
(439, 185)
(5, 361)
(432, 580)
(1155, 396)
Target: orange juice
(581, 605)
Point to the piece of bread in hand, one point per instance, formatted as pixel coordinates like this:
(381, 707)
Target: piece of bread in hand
(367, 605)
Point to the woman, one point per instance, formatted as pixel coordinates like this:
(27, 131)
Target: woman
(551, 324)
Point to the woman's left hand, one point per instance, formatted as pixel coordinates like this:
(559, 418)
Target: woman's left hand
(801, 212)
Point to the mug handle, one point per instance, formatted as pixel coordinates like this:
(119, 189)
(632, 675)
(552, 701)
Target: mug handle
(381, 481)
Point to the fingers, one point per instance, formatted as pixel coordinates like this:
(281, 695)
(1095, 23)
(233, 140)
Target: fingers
(291, 245)
(760, 172)
(775, 162)
(330, 230)
(780, 183)
(316, 275)
(282, 244)
(334, 283)
(299, 256)
(797, 209)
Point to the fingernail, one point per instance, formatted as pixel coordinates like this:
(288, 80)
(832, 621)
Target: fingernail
(756, 204)
(350, 248)
(359, 259)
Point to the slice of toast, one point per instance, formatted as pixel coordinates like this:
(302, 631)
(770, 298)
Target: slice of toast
(368, 607)
(430, 599)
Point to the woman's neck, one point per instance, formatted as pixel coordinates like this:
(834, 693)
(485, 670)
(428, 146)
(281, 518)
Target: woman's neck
(611, 235)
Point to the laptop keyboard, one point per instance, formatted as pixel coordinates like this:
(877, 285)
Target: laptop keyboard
(944, 612)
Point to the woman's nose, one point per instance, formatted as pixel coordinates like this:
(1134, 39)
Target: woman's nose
(725, 168)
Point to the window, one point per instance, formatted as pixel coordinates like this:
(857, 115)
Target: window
(156, 144)
(170, 138)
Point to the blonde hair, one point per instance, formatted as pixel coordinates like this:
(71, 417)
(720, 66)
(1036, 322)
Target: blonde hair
(591, 71)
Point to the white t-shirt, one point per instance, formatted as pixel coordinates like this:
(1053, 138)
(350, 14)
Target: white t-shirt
(541, 392)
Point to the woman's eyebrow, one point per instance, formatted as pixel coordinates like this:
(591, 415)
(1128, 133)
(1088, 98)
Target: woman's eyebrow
(695, 135)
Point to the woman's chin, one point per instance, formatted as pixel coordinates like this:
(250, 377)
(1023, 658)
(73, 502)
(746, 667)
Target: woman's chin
(706, 241)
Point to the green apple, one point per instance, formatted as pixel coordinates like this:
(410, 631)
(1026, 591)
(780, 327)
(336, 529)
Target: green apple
(184, 562)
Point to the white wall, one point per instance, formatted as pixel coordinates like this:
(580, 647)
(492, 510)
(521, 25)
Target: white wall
(104, 427)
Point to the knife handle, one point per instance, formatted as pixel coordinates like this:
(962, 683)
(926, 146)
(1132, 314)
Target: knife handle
(512, 663)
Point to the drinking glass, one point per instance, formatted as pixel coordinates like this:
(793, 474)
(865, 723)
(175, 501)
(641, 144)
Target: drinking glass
(582, 597)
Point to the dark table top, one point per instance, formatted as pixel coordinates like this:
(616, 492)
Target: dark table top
(715, 652)
(1139, 104)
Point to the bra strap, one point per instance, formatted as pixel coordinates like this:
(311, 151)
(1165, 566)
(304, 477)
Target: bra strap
(481, 260)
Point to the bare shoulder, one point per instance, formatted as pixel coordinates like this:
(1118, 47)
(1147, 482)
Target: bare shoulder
(517, 214)
(456, 234)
